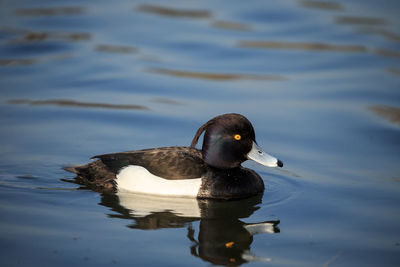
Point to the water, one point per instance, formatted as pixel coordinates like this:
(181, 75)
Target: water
(319, 80)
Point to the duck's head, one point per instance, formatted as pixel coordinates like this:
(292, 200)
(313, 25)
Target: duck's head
(229, 140)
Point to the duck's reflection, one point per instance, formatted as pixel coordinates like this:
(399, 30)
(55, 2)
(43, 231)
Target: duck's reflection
(222, 237)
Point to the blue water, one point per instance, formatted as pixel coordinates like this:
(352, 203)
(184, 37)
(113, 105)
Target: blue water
(319, 80)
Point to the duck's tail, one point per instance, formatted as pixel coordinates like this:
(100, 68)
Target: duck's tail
(95, 175)
(70, 169)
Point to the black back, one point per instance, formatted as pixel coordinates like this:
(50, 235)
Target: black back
(167, 162)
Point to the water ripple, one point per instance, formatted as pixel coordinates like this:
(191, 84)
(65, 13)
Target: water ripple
(279, 188)
(390, 113)
(229, 25)
(387, 53)
(50, 11)
(303, 46)
(116, 49)
(215, 76)
(30, 36)
(322, 5)
(394, 71)
(18, 61)
(360, 20)
(73, 103)
(174, 12)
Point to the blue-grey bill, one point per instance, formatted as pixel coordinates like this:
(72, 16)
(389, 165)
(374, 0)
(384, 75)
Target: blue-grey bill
(259, 156)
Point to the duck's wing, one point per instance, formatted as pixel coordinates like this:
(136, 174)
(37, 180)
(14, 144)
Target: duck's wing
(167, 162)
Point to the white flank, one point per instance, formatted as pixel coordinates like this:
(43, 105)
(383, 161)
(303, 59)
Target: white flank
(139, 180)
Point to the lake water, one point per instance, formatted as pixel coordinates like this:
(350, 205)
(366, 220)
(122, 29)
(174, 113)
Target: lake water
(319, 80)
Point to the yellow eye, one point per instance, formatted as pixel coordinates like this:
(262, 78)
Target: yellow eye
(238, 137)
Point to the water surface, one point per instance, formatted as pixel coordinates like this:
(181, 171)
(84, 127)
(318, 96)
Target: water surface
(318, 79)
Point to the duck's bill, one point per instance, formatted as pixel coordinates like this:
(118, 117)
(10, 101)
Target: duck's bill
(258, 155)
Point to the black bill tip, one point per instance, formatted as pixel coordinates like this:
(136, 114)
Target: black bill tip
(280, 163)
